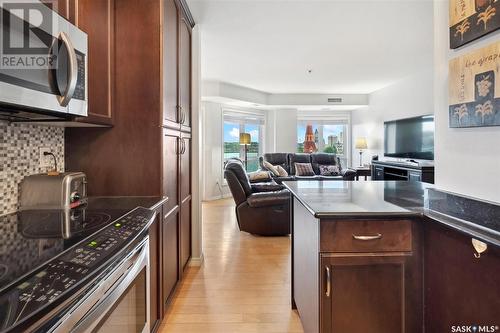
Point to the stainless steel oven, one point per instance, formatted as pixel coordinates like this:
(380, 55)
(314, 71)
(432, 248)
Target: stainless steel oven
(43, 67)
(118, 302)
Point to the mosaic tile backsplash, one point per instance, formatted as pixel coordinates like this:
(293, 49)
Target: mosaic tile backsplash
(19, 157)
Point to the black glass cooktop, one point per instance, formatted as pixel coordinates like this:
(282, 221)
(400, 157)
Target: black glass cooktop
(30, 238)
(51, 257)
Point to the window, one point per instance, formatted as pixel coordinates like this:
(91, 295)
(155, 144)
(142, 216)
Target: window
(328, 136)
(236, 123)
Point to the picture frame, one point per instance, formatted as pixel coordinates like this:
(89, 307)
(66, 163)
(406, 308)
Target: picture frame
(474, 88)
(472, 19)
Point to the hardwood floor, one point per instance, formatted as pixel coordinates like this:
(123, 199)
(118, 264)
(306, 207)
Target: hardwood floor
(242, 286)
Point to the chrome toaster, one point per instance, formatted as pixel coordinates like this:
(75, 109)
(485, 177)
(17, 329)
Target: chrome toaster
(61, 191)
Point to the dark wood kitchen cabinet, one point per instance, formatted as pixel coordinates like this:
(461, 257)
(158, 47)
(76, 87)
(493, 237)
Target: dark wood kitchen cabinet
(460, 289)
(96, 18)
(369, 269)
(171, 111)
(184, 73)
(362, 291)
(170, 258)
(356, 275)
(139, 84)
(185, 198)
(171, 169)
(59, 6)
(185, 239)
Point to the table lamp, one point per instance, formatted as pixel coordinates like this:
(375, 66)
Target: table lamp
(360, 144)
(245, 139)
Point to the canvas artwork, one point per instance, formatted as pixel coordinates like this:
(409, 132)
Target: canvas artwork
(471, 19)
(474, 88)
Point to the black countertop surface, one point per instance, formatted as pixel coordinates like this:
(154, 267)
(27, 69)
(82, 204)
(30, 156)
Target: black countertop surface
(33, 237)
(338, 199)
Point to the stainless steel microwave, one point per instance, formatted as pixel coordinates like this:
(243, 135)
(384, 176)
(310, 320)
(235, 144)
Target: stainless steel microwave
(43, 67)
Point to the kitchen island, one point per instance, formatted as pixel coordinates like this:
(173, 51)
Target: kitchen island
(392, 257)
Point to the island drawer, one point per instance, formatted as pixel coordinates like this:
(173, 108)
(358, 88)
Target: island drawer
(360, 236)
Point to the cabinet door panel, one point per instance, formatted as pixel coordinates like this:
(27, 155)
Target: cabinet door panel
(185, 232)
(170, 57)
(170, 256)
(96, 18)
(170, 169)
(371, 292)
(185, 176)
(59, 6)
(185, 73)
(379, 173)
(460, 289)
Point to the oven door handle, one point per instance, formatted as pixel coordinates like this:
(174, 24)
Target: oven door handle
(73, 71)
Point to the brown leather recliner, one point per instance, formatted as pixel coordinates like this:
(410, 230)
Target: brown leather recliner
(262, 209)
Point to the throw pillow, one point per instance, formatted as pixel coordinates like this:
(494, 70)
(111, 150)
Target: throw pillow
(304, 169)
(271, 168)
(282, 172)
(329, 170)
(258, 176)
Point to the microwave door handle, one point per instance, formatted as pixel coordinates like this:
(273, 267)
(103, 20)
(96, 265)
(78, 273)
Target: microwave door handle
(73, 71)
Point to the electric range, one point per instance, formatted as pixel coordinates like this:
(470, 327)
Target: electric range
(49, 258)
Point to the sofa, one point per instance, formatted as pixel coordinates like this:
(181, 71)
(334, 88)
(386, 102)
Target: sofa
(287, 161)
(261, 208)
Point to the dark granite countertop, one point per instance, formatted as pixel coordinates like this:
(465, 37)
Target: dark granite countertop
(32, 237)
(337, 199)
(331, 199)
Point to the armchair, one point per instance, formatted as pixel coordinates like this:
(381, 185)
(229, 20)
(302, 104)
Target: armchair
(262, 209)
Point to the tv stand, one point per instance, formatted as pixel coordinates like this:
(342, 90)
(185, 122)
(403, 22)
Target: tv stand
(408, 171)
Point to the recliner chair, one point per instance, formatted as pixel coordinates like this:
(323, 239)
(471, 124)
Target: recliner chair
(261, 209)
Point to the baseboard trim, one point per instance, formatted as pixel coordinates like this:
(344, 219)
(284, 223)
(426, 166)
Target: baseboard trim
(217, 197)
(196, 262)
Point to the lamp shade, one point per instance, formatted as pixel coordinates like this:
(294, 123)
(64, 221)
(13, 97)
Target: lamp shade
(245, 139)
(361, 143)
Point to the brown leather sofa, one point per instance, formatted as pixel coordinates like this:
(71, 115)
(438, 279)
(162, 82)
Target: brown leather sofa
(288, 160)
(262, 208)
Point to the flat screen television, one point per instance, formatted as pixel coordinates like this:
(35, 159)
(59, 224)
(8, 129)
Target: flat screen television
(411, 138)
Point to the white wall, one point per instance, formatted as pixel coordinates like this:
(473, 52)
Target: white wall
(281, 131)
(410, 97)
(467, 160)
(212, 151)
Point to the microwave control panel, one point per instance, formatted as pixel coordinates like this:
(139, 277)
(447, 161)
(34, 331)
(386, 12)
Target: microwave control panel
(80, 82)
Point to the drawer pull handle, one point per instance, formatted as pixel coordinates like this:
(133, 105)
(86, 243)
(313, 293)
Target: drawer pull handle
(328, 282)
(367, 238)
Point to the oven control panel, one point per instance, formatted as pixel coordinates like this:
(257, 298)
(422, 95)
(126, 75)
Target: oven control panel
(65, 273)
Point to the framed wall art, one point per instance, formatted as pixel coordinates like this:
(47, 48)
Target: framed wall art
(474, 88)
(471, 19)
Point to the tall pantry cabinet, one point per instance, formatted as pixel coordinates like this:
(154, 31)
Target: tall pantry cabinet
(177, 122)
(143, 96)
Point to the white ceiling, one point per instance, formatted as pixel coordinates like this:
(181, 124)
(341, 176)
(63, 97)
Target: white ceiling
(351, 46)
